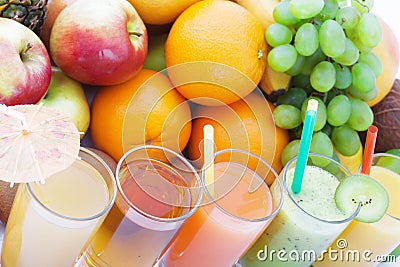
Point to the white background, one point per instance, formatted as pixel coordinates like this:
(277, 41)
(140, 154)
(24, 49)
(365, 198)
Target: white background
(389, 11)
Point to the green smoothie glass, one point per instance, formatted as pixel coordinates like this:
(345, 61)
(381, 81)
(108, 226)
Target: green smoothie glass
(308, 221)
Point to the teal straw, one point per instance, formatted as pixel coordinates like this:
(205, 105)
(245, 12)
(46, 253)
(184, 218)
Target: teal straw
(305, 142)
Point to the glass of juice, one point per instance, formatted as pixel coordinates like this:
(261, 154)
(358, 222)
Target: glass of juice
(50, 223)
(237, 207)
(366, 244)
(158, 190)
(307, 222)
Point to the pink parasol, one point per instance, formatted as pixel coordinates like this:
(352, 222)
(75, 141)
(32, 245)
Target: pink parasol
(35, 142)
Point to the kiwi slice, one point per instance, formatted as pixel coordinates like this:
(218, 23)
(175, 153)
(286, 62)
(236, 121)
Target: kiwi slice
(361, 188)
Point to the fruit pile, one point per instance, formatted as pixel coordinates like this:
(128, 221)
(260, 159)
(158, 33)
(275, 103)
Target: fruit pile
(141, 72)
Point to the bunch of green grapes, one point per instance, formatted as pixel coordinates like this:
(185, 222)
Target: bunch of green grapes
(326, 46)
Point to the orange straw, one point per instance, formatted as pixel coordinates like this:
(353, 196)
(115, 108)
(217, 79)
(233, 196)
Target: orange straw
(369, 149)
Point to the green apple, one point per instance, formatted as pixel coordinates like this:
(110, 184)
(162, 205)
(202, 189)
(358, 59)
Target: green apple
(68, 96)
(155, 59)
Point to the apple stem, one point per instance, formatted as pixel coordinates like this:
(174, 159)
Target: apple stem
(26, 49)
(138, 34)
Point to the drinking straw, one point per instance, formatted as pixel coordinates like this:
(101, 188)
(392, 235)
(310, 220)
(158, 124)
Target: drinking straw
(209, 157)
(369, 149)
(305, 142)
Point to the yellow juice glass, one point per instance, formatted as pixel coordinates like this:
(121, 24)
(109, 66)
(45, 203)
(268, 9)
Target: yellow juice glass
(50, 223)
(368, 244)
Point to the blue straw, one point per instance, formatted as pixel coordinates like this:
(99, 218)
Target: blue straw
(305, 143)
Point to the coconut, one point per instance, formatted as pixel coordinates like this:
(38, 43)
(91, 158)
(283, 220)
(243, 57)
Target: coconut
(7, 193)
(6, 199)
(387, 119)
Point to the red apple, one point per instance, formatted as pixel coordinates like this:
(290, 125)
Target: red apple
(99, 42)
(25, 69)
(53, 8)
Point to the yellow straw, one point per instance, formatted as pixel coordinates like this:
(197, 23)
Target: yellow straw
(209, 158)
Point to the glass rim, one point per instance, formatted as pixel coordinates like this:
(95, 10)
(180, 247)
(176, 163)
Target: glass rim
(214, 201)
(289, 191)
(110, 201)
(384, 154)
(143, 213)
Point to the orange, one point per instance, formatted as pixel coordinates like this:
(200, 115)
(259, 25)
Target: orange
(246, 124)
(388, 52)
(227, 37)
(144, 110)
(160, 11)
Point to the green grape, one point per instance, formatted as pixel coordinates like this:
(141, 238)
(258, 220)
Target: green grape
(329, 11)
(342, 3)
(353, 36)
(306, 39)
(321, 144)
(294, 96)
(372, 61)
(297, 67)
(320, 119)
(282, 15)
(343, 76)
(317, 22)
(328, 96)
(363, 78)
(332, 38)
(323, 76)
(302, 81)
(350, 54)
(300, 23)
(312, 60)
(304, 9)
(282, 57)
(361, 115)
(338, 110)
(369, 30)
(363, 96)
(348, 17)
(287, 116)
(290, 151)
(345, 140)
(327, 129)
(362, 5)
(278, 34)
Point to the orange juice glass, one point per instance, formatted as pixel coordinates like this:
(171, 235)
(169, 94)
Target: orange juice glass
(158, 190)
(367, 244)
(237, 207)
